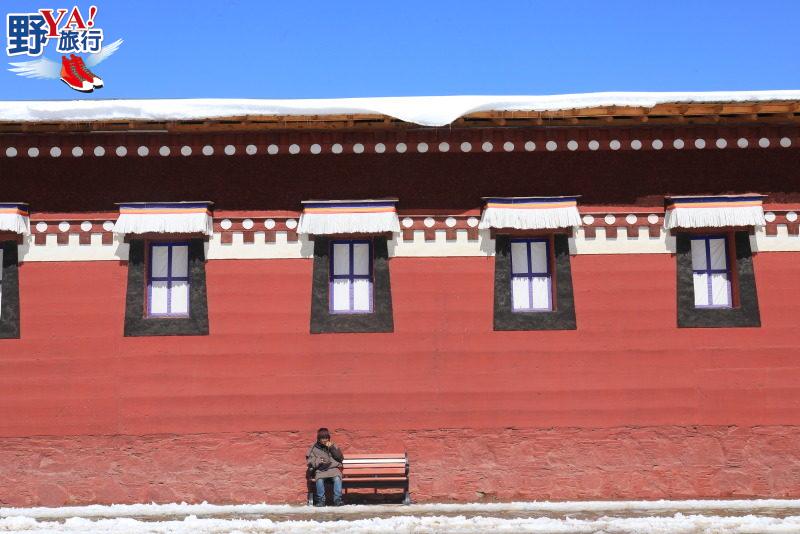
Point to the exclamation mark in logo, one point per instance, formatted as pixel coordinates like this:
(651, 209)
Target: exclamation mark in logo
(92, 13)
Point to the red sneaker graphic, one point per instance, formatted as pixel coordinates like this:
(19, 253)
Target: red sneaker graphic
(71, 77)
(85, 73)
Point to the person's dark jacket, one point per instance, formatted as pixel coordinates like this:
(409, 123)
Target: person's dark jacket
(325, 462)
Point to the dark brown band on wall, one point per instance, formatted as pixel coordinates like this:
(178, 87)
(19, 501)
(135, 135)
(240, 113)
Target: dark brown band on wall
(138, 324)
(563, 315)
(9, 313)
(380, 320)
(746, 314)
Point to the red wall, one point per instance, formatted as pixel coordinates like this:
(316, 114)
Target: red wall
(625, 406)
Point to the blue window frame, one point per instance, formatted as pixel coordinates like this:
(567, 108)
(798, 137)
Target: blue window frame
(351, 287)
(531, 278)
(168, 279)
(711, 272)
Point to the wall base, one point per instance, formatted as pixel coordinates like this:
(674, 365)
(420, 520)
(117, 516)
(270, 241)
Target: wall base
(663, 462)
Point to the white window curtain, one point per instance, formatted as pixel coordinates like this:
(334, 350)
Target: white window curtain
(710, 272)
(530, 276)
(169, 279)
(351, 280)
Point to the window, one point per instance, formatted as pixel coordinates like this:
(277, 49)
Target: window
(351, 277)
(530, 275)
(716, 281)
(710, 272)
(168, 280)
(533, 283)
(9, 290)
(351, 290)
(166, 288)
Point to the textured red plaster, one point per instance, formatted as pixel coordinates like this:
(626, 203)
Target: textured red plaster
(446, 465)
(214, 417)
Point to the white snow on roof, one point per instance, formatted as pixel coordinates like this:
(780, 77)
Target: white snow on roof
(422, 110)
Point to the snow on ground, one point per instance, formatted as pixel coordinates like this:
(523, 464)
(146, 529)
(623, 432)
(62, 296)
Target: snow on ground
(610, 517)
(422, 110)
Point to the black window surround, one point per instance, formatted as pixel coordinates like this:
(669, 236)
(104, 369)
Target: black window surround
(137, 323)
(9, 313)
(745, 312)
(561, 317)
(380, 319)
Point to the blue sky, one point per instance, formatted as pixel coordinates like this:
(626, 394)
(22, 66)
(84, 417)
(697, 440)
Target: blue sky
(310, 49)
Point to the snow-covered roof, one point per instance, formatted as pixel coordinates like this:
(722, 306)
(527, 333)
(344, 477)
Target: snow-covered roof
(422, 110)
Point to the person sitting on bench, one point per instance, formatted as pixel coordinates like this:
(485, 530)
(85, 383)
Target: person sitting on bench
(325, 459)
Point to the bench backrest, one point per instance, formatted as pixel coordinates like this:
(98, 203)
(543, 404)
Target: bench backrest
(375, 466)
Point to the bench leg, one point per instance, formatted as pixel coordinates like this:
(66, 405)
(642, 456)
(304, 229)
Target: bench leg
(406, 497)
(310, 500)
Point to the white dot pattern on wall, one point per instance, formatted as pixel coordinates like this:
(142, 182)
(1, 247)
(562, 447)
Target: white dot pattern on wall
(508, 146)
(11, 152)
(400, 148)
(358, 148)
(251, 150)
(291, 224)
(273, 149)
(429, 222)
(208, 150)
(678, 143)
(610, 219)
(247, 224)
(55, 152)
(791, 216)
(269, 224)
(466, 146)
(164, 151)
(108, 226)
(422, 147)
(721, 143)
(41, 227)
(380, 148)
(143, 151)
(769, 216)
(530, 146)
(186, 150)
(487, 146)
(742, 142)
(316, 148)
(77, 152)
(700, 143)
(594, 144)
(588, 219)
(337, 148)
(33, 152)
(230, 150)
(450, 222)
(99, 151)
(472, 222)
(631, 219)
(572, 145)
(785, 142)
(294, 148)
(657, 144)
(225, 224)
(86, 226)
(551, 145)
(121, 151)
(636, 144)
(652, 218)
(614, 144)
(407, 222)
(63, 226)
(763, 142)
(444, 147)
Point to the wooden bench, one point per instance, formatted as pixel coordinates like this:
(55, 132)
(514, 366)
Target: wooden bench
(373, 471)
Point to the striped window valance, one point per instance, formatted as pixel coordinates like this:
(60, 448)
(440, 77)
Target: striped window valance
(164, 217)
(714, 211)
(530, 213)
(324, 217)
(15, 217)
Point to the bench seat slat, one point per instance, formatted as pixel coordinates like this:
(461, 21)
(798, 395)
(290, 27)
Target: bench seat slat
(387, 465)
(368, 480)
(362, 456)
(371, 472)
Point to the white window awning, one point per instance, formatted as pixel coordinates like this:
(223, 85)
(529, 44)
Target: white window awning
(530, 213)
(15, 217)
(164, 218)
(324, 217)
(716, 211)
